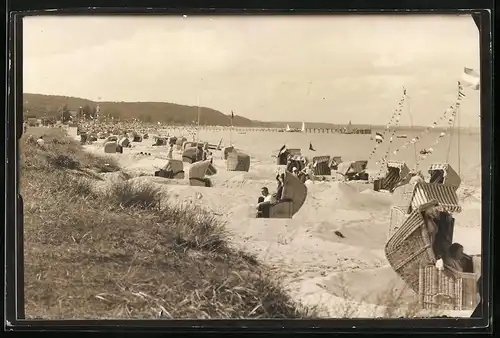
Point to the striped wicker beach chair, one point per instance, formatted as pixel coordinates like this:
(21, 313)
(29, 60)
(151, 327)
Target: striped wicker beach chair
(444, 174)
(322, 165)
(445, 195)
(397, 173)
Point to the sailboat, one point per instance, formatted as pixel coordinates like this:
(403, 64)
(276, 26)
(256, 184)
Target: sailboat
(303, 129)
(288, 129)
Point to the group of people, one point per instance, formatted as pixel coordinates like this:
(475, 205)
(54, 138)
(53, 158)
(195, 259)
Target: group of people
(439, 225)
(266, 200)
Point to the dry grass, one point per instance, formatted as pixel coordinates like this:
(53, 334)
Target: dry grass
(122, 255)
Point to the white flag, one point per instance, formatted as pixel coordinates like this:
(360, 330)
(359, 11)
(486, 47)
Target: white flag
(471, 78)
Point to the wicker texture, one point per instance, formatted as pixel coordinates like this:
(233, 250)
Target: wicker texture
(227, 151)
(237, 161)
(409, 248)
(448, 288)
(398, 217)
(403, 196)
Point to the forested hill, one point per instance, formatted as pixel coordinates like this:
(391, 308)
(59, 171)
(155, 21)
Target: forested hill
(39, 105)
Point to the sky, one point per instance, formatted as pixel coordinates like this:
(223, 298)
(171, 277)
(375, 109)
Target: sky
(271, 68)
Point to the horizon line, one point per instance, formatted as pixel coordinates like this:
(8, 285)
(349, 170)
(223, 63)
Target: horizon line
(264, 121)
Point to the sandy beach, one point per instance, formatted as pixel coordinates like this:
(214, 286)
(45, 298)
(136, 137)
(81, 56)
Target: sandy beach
(346, 276)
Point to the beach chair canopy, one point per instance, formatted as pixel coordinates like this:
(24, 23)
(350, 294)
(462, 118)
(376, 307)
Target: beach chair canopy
(410, 246)
(295, 190)
(198, 169)
(238, 161)
(444, 174)
(446, 196)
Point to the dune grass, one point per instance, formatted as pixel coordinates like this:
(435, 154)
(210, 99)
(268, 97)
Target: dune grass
(124, 255)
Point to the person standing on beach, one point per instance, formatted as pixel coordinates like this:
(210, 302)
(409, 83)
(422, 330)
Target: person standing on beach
(170, 151)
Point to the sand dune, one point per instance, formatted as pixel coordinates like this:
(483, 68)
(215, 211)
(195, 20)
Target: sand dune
(306, 249)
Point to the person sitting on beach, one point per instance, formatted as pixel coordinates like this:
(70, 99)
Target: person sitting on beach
(264, 203)
(454, 256)
(40, 142)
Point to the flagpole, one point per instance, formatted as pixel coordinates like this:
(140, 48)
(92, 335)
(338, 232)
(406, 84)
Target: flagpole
(198, 127)
(231, 130)
(407, 100)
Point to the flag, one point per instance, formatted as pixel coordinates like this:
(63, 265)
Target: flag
(281, 150)
(311, 147)
(379, 138)
(471, 78)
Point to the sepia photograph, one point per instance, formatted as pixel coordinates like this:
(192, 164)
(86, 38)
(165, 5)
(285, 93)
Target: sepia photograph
(251, 166)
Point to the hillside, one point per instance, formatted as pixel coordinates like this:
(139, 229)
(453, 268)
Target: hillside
(38, 105)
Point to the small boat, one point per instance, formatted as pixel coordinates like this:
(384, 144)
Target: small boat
(401, 136)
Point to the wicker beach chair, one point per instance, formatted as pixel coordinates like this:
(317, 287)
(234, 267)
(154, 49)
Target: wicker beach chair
(189, 155)
(444, 174)
(449, 288)
(292, 199)
(413, 257)
(397, 174)
(322, 165)
(110, 147)
(336, 161)
(238, 161)
(172, 169)
(197, 174)
(227, 151)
